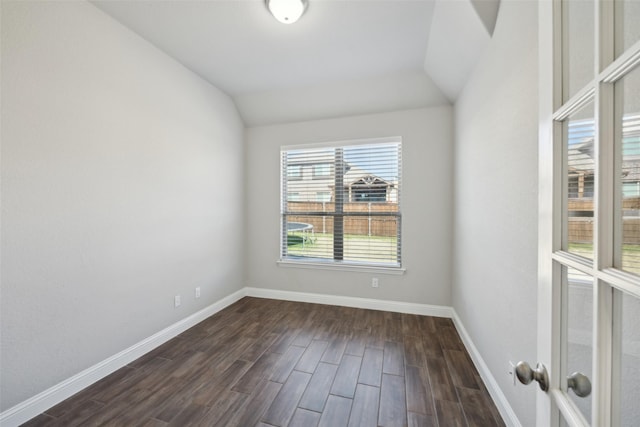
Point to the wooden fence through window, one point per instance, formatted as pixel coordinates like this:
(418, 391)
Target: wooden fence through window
(382, 226)
(580, 227)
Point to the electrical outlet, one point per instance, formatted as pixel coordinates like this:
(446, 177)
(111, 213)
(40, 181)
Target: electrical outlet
(512, 372)
(198, 292)
(374, 282)
(176, 301)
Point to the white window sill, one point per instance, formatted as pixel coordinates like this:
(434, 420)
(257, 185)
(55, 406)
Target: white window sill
(339, 266)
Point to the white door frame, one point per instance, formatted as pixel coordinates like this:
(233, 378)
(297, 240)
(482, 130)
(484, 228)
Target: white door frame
(548, 197)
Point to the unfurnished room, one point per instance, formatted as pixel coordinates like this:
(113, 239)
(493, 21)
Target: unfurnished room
(320, 213)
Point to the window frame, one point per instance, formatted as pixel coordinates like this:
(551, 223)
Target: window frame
(338, 264)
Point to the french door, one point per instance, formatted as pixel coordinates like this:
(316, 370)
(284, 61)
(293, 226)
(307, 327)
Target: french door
(589, 222)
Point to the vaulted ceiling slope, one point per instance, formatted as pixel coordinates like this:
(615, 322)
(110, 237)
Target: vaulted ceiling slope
(344, 57)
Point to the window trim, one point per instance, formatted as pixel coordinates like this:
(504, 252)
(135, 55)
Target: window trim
(340, 266)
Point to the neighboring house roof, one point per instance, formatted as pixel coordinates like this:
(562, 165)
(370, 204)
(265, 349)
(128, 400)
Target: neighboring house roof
(356, 175)
(581, 157)
(581, 147)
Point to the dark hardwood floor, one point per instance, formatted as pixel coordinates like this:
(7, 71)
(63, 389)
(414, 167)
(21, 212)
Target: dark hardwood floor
(262, 362)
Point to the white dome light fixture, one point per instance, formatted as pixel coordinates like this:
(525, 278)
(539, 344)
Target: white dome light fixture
(287, 11)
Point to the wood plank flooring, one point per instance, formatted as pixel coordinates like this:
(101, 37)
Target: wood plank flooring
(266, 363)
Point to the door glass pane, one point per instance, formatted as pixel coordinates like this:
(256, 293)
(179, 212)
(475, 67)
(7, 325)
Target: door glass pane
(579, 332)
(579, 134)
(627, 27)
(628, 146)
(630, 363)
(577, 45)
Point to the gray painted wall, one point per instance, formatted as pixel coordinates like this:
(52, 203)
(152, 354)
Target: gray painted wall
(111, 156)
(426, 203)
(495, 211)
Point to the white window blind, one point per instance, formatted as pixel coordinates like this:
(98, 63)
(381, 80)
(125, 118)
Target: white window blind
(346, 207)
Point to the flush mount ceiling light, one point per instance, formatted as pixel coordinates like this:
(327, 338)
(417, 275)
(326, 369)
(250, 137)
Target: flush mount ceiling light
(287, 11)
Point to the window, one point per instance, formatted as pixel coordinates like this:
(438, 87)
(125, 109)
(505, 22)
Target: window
(322, 171)
(327, 222)
(294, 172)
(323, 196)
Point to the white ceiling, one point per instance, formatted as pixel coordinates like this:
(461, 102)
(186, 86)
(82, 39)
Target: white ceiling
(343, 57)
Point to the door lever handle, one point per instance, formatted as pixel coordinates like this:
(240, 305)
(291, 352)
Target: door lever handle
(525, 374)
(580, 384)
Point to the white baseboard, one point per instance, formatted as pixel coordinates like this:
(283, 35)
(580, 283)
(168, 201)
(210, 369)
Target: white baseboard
(508, 415)
(372, 304)
(39, 403)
